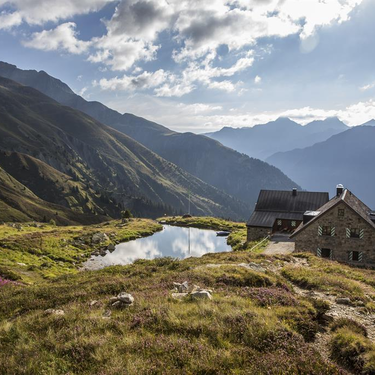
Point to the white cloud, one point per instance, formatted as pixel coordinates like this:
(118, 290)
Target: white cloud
(144, 80)
(121, 53)
(9, 20)
(63, 37)
(196, 30)
(175, 89)
(38, 12)
(367, 87)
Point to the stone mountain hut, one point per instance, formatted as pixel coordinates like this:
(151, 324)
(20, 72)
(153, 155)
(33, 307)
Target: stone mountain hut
(282, 211)
(343, 229)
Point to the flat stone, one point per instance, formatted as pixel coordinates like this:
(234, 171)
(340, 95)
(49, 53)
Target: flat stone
(117, 304)
(107, 314)
(93, 303)
(201, 294)
(54, 312)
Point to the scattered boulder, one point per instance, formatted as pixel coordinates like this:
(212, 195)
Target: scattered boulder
(107, 314)
(54, 312)
(343, 301)
(122, 300)
(93, 303)
(99, 237)
(201, 294)
(111, 247)
(126, 298)
(181, 288)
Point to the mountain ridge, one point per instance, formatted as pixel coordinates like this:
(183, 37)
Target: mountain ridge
(345, 158)
(263, 140)
(103, 158)
(236, 174)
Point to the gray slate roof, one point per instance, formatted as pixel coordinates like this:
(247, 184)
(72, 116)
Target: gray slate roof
(278, 204)
(351, 200)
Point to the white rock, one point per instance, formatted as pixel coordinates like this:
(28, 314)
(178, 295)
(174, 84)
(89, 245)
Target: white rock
(181, 288)
(126, 298)
(54, 312)
(117, 304)
(201, 294)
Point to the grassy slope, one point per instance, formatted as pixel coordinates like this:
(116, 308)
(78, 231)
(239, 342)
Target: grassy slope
(51, 185)
(18, 203)
(256, 323)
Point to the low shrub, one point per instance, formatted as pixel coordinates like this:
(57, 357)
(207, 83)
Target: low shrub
(350, 324)
(271, 297)
(353, 351)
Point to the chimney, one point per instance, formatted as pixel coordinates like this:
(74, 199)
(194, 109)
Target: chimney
(339, 189)
(294, 192)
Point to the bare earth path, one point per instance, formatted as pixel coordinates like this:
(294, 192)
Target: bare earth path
(279, 244)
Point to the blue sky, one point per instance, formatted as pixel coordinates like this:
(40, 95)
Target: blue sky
(198, 66)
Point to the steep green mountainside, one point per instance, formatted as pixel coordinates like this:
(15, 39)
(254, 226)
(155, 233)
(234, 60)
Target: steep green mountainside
(53, 186)
(100, 157)
(237, 174)
(18, 203)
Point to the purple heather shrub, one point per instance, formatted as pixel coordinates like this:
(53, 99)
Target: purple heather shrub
(271, 296)
(4, 281)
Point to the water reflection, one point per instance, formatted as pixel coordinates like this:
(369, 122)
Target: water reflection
(172, 241)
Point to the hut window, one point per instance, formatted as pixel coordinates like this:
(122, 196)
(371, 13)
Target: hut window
(341, 212)
(326, 253)
(294, 223)
(326, 231)
(355, 256)
(279, 222)
(355, 233)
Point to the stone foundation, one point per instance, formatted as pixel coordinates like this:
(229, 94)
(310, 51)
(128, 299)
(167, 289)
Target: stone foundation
(257, 233)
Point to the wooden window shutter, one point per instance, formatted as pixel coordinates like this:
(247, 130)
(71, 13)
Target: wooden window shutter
(360, 256)
(333, 231)
(347, 232)
(350, 256)
(361, 233)
(320, 231)
(319, 252)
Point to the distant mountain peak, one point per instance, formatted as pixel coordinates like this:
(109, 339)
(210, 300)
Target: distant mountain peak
(369, 123)
(326, 124)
